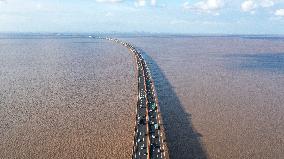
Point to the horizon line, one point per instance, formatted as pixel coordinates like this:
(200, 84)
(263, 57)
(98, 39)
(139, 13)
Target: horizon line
(138, 33)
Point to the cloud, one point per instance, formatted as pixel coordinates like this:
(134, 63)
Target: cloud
(109, 1)
(153, 2)
(252, 5)
(279, 12)
(3, 1)
(140, 3)
(266, 3)
(248, 6)
(143, 3)
(205, 6)
(137, 3)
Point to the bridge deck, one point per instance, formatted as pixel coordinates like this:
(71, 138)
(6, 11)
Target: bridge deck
(148, 138)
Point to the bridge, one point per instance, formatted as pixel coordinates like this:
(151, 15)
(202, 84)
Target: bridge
(148, 136)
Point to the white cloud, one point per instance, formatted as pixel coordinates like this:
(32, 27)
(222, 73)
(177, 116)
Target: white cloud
(266, 3)
(279, 12)
(140, 3)
(248, 6)
(153, 2)
(205, 6)
(252, 5)
(137, 3)
(143, 3)
(109, 1)
(3, 1)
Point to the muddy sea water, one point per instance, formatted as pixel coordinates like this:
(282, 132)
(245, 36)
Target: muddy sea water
(66, 97)
(220, 97)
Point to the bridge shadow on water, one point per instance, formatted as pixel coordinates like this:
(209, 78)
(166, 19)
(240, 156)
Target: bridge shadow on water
(182, 139)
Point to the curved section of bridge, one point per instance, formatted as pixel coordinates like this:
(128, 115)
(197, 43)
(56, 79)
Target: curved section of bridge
(149, 137)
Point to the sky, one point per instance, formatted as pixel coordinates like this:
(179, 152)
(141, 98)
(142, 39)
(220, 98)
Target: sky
(154, 16)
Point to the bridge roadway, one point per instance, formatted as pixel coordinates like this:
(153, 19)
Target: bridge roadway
(148, 138)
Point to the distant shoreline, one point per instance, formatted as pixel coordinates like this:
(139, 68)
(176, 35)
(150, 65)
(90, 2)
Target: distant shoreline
(139, 34)
(29, 35)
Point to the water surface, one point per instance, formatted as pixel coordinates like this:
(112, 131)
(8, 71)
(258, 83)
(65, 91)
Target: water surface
(66, 98)
(220, 97)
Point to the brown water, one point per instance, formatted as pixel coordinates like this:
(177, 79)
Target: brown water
(220, 97)
(66, 98)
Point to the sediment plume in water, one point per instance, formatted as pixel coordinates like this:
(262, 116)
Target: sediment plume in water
(220, 97)
(66, 98)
